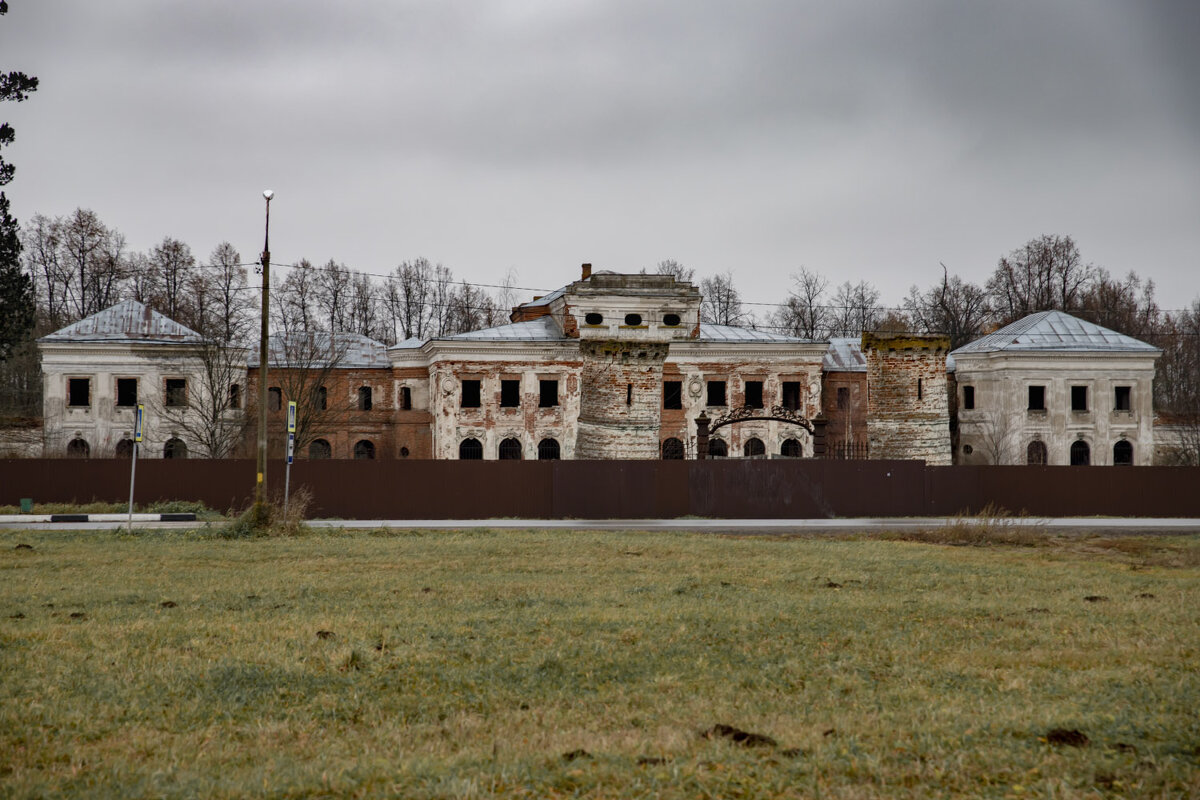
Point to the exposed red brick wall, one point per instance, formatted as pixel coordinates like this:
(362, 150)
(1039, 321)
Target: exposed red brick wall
(621, 400)
(908, 414)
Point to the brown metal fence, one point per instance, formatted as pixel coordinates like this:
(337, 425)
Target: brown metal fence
(733, 488)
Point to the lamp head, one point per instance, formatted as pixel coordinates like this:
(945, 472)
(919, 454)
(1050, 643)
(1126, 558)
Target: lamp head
(268, 194)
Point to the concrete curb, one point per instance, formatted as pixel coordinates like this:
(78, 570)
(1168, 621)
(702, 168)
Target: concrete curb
(9, 518)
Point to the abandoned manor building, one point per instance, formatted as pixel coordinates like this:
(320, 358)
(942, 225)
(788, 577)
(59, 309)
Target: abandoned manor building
(611, 366)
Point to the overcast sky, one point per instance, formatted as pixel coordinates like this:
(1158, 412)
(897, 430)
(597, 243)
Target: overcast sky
(863, 140)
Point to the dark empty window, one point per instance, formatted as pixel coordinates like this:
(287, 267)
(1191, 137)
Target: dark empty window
(235, 396)
(671, 320)
(365, 403)
(364, 450)
(509, 450)
(176, 392)
(843, 398)
(1123, 454)
(594, 318)
(1079, 398)
(79, 391)
(319, 450)
(406, 398)
(127, 392)
(78, 448)
(968, 397)
(716, 393)
(470, 450)
(1081, 454)
(629, 394)
(548, 393)
(1037, 398)
(633, 319)
(1123, 398)
(672, 450)
(791, 395)
(920, 389)
(321, 398)
(510, 394)
(274, 398)
(124, 448)
(672, 394)
(791, 448)
(470, 394)
(754, 394)
(754, 448)
(548, 450)
(175, 448)
(717, 448)
(1036, 453)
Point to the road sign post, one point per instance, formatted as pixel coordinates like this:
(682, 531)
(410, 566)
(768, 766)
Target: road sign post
(138, 421)
(291, 448)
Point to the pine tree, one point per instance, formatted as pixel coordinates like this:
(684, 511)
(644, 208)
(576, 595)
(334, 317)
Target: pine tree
(16, 288)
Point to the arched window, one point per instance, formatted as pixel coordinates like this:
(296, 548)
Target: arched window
(791, 448)
(717, 448)
(754, 448)
(364, 398)
(510, 450)
(672, 449)
(1081, 454)
(78, 448)
(364, 449)
(548, 450)
(274, 398)
(320, 399)
(1123, 454)
(1036, 453)
(470, 450)
(235, 396)
(124, 448)
(319, 450)
(175, 448)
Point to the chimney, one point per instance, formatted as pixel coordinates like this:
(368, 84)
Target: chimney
(587, 272)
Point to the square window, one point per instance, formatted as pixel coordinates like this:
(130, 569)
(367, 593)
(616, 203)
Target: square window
(1123, 400)
(672, 394)
(716, 393)
(968, 397)
(176, 392)
(1037, 398)
(754, 394)
(510, 393)
(791, 395)
(79, 392)
(470, 394)
(1079, 398)
(126, 392)
(548, 393)
(843, 398)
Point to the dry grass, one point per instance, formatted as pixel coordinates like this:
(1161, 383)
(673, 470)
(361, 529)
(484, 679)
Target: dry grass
(471, 664)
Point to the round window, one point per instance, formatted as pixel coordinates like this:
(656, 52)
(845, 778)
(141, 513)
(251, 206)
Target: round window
(670, 320)
(967, 449)
(594, 318)
(633, 319)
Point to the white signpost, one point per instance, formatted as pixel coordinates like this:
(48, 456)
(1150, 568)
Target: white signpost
(291, 448)
(137, 439)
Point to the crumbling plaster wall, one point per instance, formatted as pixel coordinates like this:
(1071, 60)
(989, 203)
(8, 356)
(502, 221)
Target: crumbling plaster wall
(908, 412)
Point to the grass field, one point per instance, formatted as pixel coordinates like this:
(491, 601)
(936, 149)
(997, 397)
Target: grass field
(575, 664)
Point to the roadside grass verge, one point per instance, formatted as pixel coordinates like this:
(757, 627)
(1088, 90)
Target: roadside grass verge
(551, 663)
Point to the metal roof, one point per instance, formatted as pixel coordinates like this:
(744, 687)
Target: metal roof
(732, 333)
(127, 321)
(1055, 331)
(350, 351)
(541, 329)
(845, 355)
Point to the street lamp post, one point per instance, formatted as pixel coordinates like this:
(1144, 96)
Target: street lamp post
(260, 486)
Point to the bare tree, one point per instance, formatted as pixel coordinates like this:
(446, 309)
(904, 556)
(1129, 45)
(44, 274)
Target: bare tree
(408, 298)
(304, 366)
(996, 438)
(1127, 306)
(855, 309)
(174, 269)
(1047, 273)
(212, 421)
(331, 294)
(1177, 384)
(293, 301)
(803, 313)
(952, 307)
(720, 302)
(224, 306)
(77, 264)
(676, 270)
(363, 315)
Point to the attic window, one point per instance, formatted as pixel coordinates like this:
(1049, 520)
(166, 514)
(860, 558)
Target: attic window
(633, 320)
(671, 320)
(594, 318)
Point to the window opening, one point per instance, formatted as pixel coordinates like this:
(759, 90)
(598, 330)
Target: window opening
(548, 393)
(633, 320)
(791, 448)
(672, 450)
(509, 450)
(671, 320)
(717, 448)
(235, 396)
(968, 397)
(321, 398)
(1036, 453)
(1123, 454)
(791, 395)
(1037, 398)
(510, 394)
(672, 394)
(1123, 398)
(1081, 454)
(593, 318)
(754, 448)
(716, 393)
(175, 448)
(79, 392)
(405, 398)
(319, 450)
(843, 398)
(548, 450)
(365, 402)
(124, 448)
(470, 393)
(1079, 398)
(754, 394)
(176, 392)
(127, 392)
(920, 388)
(364, 450)
(629, 394)
(274, 398)
(78, 448)
(470, 450)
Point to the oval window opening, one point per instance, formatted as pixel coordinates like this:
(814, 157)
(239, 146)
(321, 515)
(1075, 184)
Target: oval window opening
(594, 318)
(633, 319)
(670, 320)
